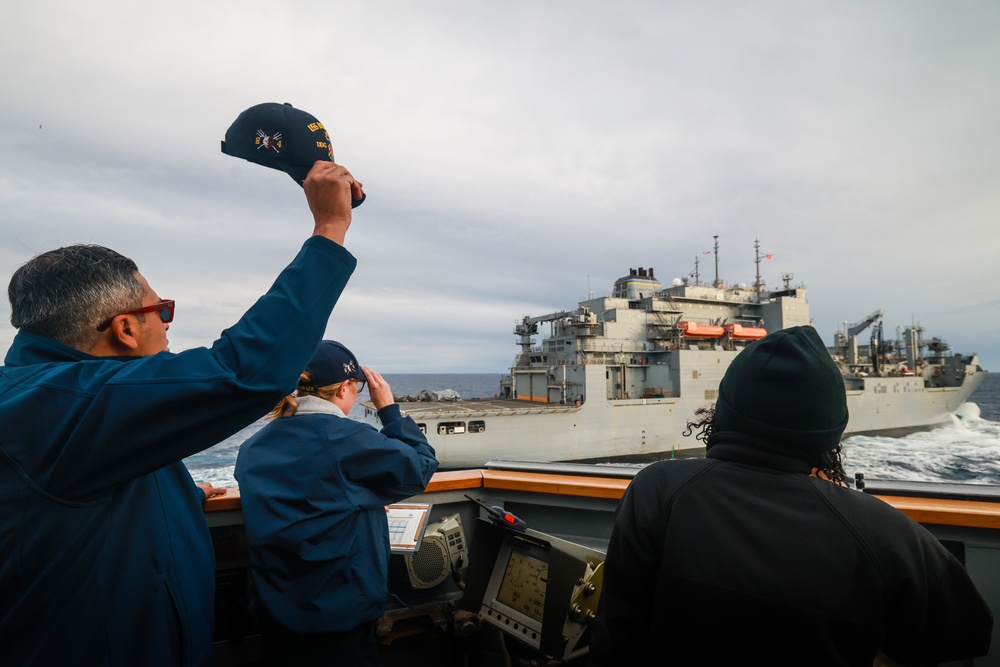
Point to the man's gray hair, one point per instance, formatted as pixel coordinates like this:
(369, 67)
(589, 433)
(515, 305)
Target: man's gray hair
(65, 294)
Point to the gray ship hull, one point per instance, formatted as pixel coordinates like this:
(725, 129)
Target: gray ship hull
(471, 432)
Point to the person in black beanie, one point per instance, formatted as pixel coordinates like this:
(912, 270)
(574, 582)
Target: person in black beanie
(760, 554)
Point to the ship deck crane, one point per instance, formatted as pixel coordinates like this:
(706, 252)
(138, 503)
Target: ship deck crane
(854, 329)
(849, 339)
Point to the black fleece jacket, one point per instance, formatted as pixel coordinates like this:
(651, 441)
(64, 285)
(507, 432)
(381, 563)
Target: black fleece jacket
(743, 558)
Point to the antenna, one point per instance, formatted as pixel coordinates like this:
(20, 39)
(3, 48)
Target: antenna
(717, 281)
(757, 285)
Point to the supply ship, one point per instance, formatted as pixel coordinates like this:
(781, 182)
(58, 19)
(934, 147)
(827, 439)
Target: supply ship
(618, 378)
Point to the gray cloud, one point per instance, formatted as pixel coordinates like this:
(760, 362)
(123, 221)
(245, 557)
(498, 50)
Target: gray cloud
(518, 156)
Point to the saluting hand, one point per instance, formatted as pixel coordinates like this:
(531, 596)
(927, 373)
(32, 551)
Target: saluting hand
(378, 389)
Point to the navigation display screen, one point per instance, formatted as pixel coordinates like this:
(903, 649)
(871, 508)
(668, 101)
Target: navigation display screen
(523, 585)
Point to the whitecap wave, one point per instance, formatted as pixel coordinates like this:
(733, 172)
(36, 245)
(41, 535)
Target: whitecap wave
(968, 412)
(967, 451)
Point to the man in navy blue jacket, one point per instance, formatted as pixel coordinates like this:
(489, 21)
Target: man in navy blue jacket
(106, 556)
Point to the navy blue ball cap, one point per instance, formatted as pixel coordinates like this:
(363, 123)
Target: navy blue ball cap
(333, 363)
(281, 137)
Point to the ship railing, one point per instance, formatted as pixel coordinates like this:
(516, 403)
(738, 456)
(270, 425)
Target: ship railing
(577, 502)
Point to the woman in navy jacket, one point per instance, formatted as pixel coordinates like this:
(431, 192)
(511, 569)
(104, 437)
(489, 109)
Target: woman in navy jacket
(314, 485)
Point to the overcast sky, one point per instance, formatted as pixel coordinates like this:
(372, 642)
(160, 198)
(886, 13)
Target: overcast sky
(519, 156)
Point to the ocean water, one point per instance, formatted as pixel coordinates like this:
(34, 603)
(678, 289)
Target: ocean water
(966, 451)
